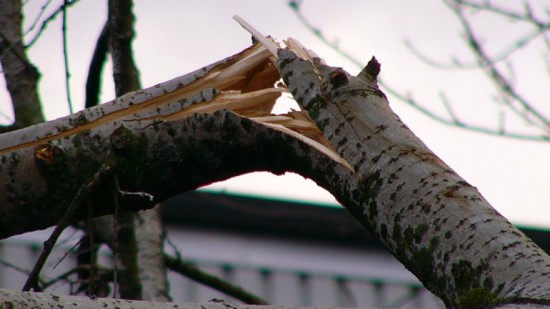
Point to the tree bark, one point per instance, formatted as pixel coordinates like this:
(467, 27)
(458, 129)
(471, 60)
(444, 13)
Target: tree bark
(440, 227)
(16, 299)
(44, 165)
(150, 255)
(21, 76)
(121, 29)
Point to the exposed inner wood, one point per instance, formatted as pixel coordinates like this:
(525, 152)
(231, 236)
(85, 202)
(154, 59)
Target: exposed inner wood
(244, 83)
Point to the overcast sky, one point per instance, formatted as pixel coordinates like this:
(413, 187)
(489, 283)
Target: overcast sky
(175, 37)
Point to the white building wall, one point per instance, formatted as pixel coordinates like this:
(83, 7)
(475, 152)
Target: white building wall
(285, 272)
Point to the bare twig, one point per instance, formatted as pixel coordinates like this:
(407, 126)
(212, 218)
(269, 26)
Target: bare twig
(79, 199)
(450, 111)
(99, 57)
(15, 267)
(456, 64)
(407, 99)
(48, 20)
(115, 242)
(497, 77)
(39, 16)
(527, 16)
(192, 272)
(67, 253)
(66, 56)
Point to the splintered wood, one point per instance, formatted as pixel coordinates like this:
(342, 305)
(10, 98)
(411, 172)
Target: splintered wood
(248, 84)
(250, 87)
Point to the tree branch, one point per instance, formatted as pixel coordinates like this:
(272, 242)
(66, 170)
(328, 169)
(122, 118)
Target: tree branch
(434, 222)
(121, 29)
(530, 113)
(99, 57)
(46, 21)
(21, 76)
(407, 99)
(192, 272)
(78, 201)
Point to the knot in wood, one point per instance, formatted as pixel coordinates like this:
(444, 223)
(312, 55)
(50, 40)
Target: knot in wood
(336, 80)
(48, 154)
(122, 139)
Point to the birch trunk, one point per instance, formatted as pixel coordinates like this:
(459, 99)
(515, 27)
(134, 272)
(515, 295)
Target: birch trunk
(427, 216)
(20, 74)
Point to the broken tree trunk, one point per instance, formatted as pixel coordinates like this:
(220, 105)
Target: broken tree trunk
(440, 227)
(214, 123)
(206, 126)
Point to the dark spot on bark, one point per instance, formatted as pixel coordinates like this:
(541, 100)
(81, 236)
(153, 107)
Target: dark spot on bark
(383, 231)
(122, 138)
(373, 209)
(419, 232)
(342, 142)
(338, 79)
(284, 61)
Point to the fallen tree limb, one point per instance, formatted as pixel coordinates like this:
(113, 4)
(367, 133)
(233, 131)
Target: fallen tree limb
(214, 124)
(182, 133)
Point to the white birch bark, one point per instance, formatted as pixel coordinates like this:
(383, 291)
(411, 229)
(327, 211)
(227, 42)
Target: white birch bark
(17, 299)
(432, 220)
(150, 255)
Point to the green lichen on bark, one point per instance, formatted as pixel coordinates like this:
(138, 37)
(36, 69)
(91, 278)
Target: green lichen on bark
(314, 107)
(477, 298)
(79, 120)
(466, 276)
(130, 155)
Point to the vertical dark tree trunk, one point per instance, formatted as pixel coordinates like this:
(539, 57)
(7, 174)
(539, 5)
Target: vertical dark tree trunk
(144, 262)
(121, 21)
(21, 76)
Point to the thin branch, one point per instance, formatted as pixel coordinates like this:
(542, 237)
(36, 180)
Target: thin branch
(63, 277)
(15, 267)
(456, 64)
(528, 16)
(474, 128)
(105, 274)
(295, 6)
(115, 241)
(50, 18)
(39, 16)
(79, 199)
(192, 272)
(67, 253)
(99, 57)
(450, 111)
(6, 117)
(494, 74)
(66, 57)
